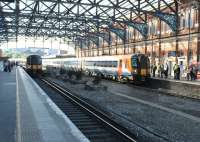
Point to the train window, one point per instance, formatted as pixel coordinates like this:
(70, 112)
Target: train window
(115, 64)
(101, 64)
(94, 63)
(111, 63)
(108, 63)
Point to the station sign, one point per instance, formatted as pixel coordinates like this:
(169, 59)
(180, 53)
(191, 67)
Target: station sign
(172, 53)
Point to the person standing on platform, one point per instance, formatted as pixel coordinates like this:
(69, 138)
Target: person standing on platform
(166, 70)
(9, 66)
(196, 71)
(178, 72)
(161, 70)
(154, 69)
(175, 71)
(187, 71)
(6, 66)
(191, 73)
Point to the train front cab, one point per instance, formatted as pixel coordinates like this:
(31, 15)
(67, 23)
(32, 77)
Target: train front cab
(140, 67)
(34, 65)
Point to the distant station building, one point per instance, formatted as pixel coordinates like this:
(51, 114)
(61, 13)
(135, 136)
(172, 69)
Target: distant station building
(2, 60)
(163, 40)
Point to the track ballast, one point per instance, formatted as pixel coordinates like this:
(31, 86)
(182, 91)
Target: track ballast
(94, 124)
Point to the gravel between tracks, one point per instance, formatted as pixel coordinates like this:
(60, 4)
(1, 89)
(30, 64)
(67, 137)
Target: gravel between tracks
(177, 120)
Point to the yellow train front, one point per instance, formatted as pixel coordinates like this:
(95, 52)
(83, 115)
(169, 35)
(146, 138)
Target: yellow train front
(34, 65)
(133, 68)
(140, 67)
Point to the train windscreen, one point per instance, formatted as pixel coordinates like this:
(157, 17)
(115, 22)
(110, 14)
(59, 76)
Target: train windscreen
(34, 60)
(134, 61)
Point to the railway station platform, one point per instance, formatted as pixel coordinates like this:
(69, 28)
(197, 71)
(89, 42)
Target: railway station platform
(28, 114)
(181, 87)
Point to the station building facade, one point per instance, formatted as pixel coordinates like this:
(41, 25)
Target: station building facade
(162, 44)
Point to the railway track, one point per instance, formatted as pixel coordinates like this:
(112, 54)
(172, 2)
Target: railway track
(94, 124)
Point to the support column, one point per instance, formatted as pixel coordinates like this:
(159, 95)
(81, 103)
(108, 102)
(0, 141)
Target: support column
(177, 48)
(110, 42)
(189, 39)
(103, 47)
(152, 58)
(125, 40)
(159, 41)
(198, 39)
(134, 42)
(97, 51)
(116, 45)
(177, 19)
(145, 50)
(145, 40)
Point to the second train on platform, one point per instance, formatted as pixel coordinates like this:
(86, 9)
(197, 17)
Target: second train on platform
(135, 67)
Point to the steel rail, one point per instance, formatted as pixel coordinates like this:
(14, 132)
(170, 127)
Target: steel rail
(82, 104)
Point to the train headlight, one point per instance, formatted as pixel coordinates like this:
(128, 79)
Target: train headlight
(134, 71)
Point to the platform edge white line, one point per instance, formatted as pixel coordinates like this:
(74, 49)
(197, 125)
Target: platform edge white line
(18, 110)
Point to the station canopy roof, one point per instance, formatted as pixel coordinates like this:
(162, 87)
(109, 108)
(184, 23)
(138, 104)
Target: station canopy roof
(76, 19)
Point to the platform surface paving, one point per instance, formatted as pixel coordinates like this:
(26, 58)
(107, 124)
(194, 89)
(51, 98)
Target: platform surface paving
(28, 115)
(7, 106)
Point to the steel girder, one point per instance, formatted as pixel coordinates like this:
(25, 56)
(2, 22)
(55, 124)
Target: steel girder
(76, 18)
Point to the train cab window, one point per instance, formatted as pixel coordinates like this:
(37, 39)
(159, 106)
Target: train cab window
(134, 61)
